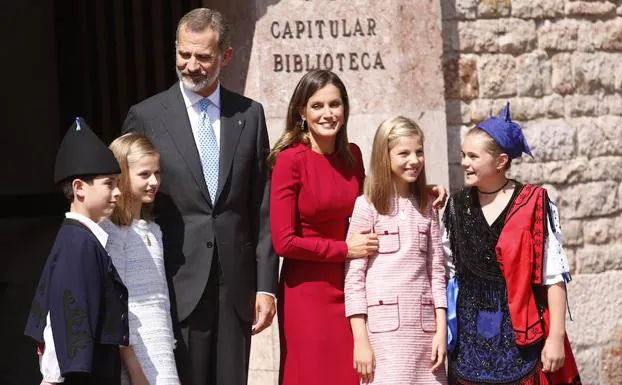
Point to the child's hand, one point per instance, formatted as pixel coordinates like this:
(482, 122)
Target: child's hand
(364, 361)
(553, 354)
(439, 349)
(440, 192)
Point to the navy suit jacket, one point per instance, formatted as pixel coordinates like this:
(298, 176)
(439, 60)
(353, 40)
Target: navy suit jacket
(237, 225)
(87, 302)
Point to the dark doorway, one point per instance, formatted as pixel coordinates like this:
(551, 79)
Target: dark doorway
(61, 59)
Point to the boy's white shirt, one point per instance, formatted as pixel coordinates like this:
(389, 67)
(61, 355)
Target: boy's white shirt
(48, 362)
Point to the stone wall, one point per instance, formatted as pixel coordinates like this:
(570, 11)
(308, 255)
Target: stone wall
(559, 63)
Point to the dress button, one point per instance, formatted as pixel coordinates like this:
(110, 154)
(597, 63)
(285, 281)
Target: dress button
(123, 316)
(121, 297)
(210, 244)
(380, 302)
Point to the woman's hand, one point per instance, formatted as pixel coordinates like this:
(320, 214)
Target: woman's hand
(439, 349)
(553, 354)
(364, 360)
(362, 244)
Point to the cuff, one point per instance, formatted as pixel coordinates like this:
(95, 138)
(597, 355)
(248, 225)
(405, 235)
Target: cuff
(267, 293)
(342, 250)
(355, 309)
(553, 279)
(440, 300)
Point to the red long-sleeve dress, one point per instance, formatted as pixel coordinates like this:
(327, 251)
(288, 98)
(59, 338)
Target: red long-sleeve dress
(312, 198)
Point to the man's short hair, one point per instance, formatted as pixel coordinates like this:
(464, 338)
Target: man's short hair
(198, 20)
(67, 188)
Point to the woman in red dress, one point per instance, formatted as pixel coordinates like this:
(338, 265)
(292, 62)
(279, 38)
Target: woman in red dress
(316, 178)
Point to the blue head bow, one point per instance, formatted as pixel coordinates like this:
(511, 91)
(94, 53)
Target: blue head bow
(506, 133)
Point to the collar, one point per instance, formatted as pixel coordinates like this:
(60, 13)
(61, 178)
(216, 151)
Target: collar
(99, 233)
(192, 98)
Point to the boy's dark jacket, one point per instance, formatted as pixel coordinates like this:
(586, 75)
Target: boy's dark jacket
(87, 302)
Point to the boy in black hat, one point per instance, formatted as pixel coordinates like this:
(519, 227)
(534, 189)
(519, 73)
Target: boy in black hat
(79, 312)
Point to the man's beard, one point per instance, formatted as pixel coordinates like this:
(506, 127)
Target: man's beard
(191, 84)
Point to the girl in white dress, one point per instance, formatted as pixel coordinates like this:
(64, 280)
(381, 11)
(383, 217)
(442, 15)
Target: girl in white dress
(135, 246)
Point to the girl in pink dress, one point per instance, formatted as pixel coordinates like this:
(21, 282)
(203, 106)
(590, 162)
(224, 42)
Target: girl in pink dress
(396, 299)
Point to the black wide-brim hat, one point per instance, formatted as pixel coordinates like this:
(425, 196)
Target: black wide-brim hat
(82, 153)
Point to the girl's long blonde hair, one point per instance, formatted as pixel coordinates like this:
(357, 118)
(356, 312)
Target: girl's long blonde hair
(128, 149)
(295, 131)
(379, 188)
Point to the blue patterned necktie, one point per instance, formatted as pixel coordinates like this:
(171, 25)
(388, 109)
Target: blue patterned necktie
(208, 149)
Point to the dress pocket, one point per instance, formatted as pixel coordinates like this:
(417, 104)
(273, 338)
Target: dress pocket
(423, 231)
(383, 314)
(428, 315)
(388, 239)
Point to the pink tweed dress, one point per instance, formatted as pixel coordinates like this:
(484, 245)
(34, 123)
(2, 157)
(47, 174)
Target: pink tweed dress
(398, 289)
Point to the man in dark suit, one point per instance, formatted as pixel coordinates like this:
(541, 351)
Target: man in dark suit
(213, 206)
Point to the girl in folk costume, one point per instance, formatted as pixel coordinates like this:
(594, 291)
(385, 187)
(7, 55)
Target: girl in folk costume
(396, 298)
(135, 246)
(507, 294)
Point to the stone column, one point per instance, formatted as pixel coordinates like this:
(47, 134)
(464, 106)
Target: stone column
(387, 53)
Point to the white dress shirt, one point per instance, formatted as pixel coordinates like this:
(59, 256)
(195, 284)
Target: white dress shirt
(192, 100)
(48, 362)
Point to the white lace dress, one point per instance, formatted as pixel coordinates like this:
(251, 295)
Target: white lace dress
(136, 252)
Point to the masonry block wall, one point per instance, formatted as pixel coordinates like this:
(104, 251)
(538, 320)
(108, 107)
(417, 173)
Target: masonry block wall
(559, 64)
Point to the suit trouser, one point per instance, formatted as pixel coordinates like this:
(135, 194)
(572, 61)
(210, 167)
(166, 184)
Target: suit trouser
(87, 379)
(214, 347)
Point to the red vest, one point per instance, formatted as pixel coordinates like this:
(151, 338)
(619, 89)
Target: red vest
(520, 252)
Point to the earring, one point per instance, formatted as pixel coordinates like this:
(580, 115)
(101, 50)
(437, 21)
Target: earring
(303, 124)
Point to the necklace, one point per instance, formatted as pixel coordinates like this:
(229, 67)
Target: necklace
(143, 232)
(496, 191)
(401, 211)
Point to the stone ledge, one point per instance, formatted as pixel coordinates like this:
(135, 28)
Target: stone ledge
(600, 35)
(500, 79)
(611, 357)
(459, 9)
(588, 361)
(591, 199)
(593, 259)
(559, 35)
(551, 139)
(577, 170)
(534, 71)
(599, 136)
(497, 35)
(562, 80)
(461, 80)
(493, 8)
(537, 9)
(584, 8)
(596, 72)
(602, 231)
(263, 377)
(592, 325)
